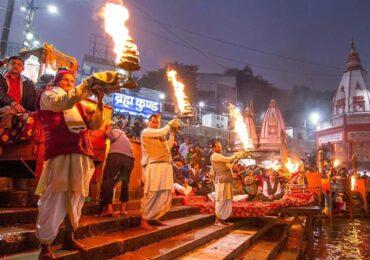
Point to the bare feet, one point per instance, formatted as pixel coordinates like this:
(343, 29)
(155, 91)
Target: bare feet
(145, 225)
(157, 222)
(46, 253)
(109, 212)
(123, 210)
(220, 223)
(70, 243)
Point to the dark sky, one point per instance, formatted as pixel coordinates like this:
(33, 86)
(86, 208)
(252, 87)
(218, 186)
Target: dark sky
(275, 36)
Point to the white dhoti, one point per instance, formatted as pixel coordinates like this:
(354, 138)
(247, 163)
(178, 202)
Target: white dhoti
(158, 185)
(224, 200)
(155, 204)
(63, 186)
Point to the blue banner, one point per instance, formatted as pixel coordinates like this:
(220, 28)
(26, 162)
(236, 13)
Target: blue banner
(135, 105)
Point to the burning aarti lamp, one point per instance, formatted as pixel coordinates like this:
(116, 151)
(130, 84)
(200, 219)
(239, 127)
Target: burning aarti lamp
(183, 106)
(130, 62)
(115, 16)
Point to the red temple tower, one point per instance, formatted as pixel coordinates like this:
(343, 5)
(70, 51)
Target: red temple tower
(273, 128)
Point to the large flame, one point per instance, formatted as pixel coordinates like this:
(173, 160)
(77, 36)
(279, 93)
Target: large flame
(336, 163)
(115, 17)
(179, 90)
(240, 128)
(291, 167)
(353, 182)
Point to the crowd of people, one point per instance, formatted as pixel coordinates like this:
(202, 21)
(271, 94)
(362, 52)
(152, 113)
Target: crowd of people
(171, 163)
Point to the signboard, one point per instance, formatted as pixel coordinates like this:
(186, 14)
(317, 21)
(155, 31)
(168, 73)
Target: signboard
(135, 106)
(333, 138)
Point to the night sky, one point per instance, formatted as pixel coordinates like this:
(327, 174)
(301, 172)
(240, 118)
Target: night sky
(286, 42)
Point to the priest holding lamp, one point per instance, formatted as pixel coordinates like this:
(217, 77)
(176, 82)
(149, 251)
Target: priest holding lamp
(223, 182)
(68, 166)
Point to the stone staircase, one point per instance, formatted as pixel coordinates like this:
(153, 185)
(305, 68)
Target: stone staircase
(186, 235)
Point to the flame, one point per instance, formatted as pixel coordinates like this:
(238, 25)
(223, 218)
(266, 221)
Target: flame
(336, 163)
(241, 128)
(179, 87)
(115, 17)
(291, 167)
(353, 182)
(272, 164)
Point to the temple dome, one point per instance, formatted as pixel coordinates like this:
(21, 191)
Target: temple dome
(352, 95)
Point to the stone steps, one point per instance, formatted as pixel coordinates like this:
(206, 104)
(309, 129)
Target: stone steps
(287, 254)
(109, 245)
(18, 198)
(27, 215)
(291, 250)
(268, 246)
(232, 244)
(19, 238)
(176, 246)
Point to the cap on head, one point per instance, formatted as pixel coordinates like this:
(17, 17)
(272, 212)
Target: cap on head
(58, 77)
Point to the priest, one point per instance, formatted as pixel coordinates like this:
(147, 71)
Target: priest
(223, 182)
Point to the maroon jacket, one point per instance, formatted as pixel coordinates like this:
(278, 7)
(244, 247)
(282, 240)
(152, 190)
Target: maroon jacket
(58, 139)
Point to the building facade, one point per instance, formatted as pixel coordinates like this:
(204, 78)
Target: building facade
(347, 134)
(216, 90)
(215, 121)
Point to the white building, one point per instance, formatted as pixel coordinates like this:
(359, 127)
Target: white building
(215, 121)
(216, 90)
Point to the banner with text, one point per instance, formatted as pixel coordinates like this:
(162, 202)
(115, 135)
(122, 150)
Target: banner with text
(135, 105)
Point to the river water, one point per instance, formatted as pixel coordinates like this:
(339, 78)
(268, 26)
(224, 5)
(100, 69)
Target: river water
(343, 239)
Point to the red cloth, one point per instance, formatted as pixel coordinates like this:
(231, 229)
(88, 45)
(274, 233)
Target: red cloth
(58, 139)
(14, 87)
(252, 208)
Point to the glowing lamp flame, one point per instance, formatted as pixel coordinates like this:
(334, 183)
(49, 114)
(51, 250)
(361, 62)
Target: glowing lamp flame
(179, 90)
(336, 163)
(291, 167)
(115, 17)
(240, 128)
(353, 182)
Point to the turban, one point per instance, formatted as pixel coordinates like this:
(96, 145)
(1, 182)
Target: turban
(58, 77)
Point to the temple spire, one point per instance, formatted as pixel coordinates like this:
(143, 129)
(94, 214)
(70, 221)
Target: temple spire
(353, 58)
(273, 127)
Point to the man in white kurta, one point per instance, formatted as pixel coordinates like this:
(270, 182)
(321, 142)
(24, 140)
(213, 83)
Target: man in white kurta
(64, 182)
(223, 183)
(157, 174)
